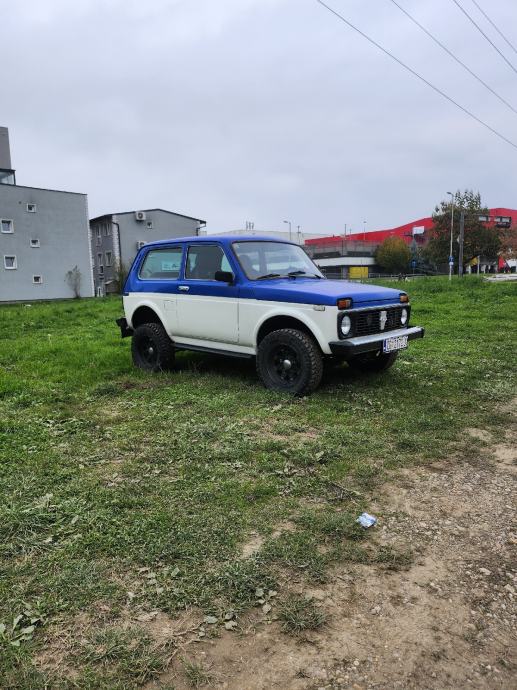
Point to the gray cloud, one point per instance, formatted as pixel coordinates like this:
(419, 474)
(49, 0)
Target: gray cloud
(253, 109)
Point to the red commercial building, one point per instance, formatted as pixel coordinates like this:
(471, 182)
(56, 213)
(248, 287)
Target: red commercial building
(327, 250)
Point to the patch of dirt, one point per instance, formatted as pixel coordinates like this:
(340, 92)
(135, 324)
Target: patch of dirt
(256, 541)
(253, 545)
(267, 432)
(480, 434)
(446, 621)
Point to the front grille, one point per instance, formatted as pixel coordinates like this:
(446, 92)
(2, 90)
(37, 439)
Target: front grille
(368, 322)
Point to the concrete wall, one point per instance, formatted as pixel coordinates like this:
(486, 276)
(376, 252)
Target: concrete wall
(124, 233)
(103, 241)
(60, 223)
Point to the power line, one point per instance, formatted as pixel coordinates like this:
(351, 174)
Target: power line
(418, 76)
(495, 26)
(454, 57)
(484, 34)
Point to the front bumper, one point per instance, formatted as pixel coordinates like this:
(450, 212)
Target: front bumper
(371, 343)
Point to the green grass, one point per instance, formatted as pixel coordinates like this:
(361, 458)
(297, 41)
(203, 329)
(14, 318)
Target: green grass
(115, 481)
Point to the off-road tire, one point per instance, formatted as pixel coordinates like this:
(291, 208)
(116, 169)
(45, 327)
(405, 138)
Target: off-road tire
(303, 356)
(151, 348)
(373, 361)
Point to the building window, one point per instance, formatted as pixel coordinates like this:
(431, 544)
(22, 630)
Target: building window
(99, 258)
(31, 208)
(10, 262)
(101, 270)
(149, 224)
(6, 225)
(35, 243)
(108, 258)
(37, 280)
(107, 229)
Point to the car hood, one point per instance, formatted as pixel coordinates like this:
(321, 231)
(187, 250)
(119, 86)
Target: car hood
(326, 292)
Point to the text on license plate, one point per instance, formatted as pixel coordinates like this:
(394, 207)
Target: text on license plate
(399, 342)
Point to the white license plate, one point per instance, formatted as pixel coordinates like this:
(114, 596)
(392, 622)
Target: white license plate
(397, 343)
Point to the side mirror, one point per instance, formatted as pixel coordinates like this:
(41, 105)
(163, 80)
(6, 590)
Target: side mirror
(224, 277)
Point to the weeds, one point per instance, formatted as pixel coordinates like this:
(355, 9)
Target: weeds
(299, 615)
(196, 675)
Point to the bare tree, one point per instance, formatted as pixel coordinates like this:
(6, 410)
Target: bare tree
(73, 278)
(120, 275)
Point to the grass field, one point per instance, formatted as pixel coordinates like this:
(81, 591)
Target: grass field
(123, 493)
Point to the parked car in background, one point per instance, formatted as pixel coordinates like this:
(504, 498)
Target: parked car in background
(249, 296)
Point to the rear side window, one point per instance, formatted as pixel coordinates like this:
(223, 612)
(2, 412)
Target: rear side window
(204, 260)
(162, 263)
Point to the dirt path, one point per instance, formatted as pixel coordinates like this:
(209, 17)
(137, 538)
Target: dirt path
(448, 621)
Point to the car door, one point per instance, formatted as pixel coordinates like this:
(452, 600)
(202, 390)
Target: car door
(159, 278)
(207, 309)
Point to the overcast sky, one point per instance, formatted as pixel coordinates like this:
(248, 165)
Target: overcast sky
(260, 110)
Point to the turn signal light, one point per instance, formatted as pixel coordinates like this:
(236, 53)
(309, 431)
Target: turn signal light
(344, 303)
(404, 298)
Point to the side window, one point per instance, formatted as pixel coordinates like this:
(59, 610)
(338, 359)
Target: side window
(203, 260)
(162, 263)
(225, 265)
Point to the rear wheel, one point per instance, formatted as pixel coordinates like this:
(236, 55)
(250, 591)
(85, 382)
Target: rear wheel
(373, 361)
(289, 360)
(152, 348)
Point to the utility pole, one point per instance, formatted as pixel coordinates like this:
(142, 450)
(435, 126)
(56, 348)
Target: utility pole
(288, 222)
(451, 260)
(299, 235)
(462, 235)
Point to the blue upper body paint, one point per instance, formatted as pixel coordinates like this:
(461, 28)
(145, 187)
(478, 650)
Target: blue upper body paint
(299, 290)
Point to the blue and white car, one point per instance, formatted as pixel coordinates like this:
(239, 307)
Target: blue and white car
(249, 296)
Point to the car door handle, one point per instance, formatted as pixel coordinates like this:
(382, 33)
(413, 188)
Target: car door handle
(183, 288)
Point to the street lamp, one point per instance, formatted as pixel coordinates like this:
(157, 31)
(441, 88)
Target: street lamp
(452, 228)
(289, 223)
(364, 240)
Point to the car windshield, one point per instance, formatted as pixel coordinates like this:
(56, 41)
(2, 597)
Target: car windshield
(263, 260)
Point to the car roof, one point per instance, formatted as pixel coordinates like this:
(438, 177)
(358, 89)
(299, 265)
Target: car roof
(222, 239)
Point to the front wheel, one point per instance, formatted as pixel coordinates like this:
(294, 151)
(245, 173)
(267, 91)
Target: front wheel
(290, 361)
(373, 361)
(151, 347)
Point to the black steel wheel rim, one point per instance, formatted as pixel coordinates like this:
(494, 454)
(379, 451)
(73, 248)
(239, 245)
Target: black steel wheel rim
(285, 364)
(147, 350)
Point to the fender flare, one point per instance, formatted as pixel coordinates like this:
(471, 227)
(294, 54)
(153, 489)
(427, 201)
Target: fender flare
(298, 315)
(153, 306)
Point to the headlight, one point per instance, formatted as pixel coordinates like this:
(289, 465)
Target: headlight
(403, 317)
(346, 325)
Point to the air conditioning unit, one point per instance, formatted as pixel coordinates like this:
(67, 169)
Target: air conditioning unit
(140, 215)
(140, 244)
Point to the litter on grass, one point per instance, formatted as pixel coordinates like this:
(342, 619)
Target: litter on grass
(366, 520)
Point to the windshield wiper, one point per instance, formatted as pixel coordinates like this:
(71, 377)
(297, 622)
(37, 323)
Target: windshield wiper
(293, 274)
(270, 275)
